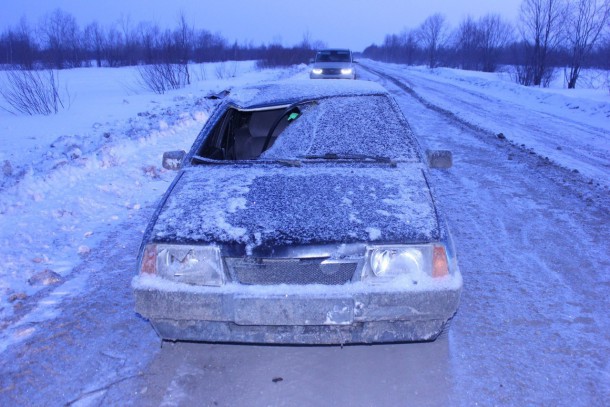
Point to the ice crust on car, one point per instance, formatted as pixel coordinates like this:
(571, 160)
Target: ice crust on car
(420, 283)
(370, 125)
(273, 205)
(264, 203)
(287, 91)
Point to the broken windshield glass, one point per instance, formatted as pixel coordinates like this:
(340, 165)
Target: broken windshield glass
(355, 127)
(365, 128)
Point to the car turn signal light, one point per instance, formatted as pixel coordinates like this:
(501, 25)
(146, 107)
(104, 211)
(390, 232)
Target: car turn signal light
(440, 266)
(149, 260)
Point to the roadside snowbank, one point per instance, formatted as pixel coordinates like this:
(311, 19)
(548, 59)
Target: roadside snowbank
(574, 134)
(75, 176)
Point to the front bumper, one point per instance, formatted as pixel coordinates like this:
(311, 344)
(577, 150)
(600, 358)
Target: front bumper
(332, 76)
(297, 315)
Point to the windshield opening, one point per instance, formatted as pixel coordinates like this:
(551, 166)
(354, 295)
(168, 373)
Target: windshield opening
(246, 134)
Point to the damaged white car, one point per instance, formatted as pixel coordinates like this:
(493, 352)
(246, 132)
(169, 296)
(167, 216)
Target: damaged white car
(302, 214)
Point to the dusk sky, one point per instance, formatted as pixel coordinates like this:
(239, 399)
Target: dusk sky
(355, 23)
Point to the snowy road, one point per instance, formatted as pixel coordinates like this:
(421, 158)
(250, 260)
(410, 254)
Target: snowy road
(569, 129)
(532, 328)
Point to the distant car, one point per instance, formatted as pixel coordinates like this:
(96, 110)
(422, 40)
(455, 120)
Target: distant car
(302, 214)
(333, 64)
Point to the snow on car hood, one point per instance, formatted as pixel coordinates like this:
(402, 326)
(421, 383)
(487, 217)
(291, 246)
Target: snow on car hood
(271, 205)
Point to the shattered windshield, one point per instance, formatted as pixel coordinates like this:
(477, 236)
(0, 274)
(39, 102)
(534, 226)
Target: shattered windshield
(338, 128)
(346, 126)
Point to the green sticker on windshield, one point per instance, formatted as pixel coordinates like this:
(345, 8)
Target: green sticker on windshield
(293, 116)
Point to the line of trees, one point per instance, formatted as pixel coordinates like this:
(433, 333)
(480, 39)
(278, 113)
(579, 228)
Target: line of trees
(481, 44)
(32, 56)
(572, 34)
(58, 42)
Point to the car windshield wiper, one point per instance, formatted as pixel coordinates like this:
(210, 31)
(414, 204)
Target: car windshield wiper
(204, 160)
(335, 156)
(285, 162)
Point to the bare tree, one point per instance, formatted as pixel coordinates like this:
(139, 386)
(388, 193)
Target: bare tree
(94, 38)
(306, 42)
(129, 35)
(225, 70)
(587, 19)
(468, 43)
(392, 45)
(162, 77)
(114, 47)
(149, 39)
(19, 46)
(541, 29)
(209, 47)
(318, 44)
(433, 34)
(61, 37)
(173, 50)
(167, 71)
(184, 39)
(410, 46)
(495, 34)
(32, 92)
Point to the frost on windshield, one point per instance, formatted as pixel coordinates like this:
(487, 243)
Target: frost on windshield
(362, 125)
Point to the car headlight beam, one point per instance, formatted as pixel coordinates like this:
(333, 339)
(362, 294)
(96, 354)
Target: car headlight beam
(317, 71)
(347, 71)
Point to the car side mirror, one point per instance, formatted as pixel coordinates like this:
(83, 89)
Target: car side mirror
(172, 160)
(439, 158)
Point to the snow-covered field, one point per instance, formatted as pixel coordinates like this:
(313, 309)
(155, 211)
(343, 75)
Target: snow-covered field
(71, 178)
(569, 126)
(77, 187)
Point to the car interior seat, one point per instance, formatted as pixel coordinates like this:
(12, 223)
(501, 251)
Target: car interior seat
(250, 140)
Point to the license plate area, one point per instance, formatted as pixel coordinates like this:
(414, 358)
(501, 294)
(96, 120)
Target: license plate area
(293, 311)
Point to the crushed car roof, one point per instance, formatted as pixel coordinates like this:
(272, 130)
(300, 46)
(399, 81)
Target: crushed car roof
(288, 92)
(347, 117)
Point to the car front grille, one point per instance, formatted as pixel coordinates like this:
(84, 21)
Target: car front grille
(257, 271)
(331, 71)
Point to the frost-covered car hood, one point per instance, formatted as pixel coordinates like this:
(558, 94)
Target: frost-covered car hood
(271, 205)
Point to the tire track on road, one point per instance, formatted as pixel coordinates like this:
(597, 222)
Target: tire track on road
(529, 238)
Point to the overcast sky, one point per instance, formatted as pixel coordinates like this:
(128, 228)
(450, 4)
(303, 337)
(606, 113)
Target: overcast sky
(339, 23)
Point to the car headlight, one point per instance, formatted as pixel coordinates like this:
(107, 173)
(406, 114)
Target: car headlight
(347, 71)
(316, 71)
(198, 265)
(387, 263)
